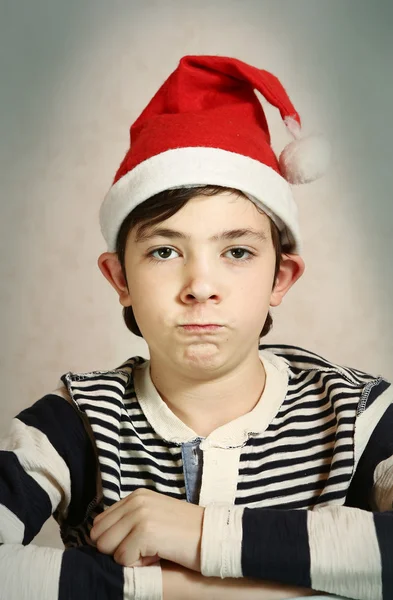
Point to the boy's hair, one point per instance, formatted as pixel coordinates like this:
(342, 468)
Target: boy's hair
(160, 207)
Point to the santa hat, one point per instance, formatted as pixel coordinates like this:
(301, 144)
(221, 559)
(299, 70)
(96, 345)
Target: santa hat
(206, 126)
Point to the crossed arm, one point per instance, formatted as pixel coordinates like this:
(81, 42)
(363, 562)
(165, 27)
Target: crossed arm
(33, 483)
(36, 480)
(151, 525)
(179, 583)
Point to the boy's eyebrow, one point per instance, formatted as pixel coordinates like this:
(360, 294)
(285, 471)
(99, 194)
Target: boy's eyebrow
(228, 234)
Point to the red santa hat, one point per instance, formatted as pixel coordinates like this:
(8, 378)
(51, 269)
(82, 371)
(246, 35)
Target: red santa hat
(206, 126)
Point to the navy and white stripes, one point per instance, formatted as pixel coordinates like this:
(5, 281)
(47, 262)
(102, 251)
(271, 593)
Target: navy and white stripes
(319, 439)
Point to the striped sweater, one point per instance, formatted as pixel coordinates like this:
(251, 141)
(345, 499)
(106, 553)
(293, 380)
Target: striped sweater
(299, 490)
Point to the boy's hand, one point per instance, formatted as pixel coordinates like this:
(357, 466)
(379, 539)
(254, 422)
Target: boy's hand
(150, 524)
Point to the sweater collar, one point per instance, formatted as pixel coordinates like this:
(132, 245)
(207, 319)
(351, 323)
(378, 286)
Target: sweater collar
(232, 434)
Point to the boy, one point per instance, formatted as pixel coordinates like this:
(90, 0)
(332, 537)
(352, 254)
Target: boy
(218, 467)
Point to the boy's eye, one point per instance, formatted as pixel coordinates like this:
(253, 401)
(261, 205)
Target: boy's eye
(164, 254)
(241, 250)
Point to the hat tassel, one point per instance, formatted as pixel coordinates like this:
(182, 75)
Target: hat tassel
(305, 159)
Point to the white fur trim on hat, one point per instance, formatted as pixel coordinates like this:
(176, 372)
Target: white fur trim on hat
(195, 166)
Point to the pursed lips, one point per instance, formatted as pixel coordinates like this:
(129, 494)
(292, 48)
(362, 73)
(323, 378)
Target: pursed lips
(201, 325)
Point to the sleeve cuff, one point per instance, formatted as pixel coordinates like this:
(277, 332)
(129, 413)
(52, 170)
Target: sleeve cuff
(143, 583)
(222, 534)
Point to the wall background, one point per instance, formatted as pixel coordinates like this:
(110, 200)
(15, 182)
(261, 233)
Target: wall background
(74, 76)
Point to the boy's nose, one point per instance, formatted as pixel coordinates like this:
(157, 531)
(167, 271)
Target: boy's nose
(199, 290)
(200, 278)
(200, 281)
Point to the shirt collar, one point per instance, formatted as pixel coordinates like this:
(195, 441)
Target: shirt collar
(232, 434)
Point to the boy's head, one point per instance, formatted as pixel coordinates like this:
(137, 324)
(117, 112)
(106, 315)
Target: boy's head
(165, 280)
(200, 162)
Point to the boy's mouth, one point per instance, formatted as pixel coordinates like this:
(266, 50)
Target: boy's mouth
(200, 328)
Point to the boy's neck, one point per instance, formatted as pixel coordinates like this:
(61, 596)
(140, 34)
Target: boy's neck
(206, 405)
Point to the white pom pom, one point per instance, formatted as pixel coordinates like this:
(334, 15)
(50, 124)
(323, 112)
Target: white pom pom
(304, 159)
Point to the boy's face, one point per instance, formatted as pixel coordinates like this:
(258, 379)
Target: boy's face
(204, 279)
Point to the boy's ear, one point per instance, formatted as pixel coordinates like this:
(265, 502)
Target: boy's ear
(291, 269)
(110, 267)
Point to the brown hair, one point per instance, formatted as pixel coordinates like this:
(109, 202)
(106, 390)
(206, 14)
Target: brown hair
(160, 207)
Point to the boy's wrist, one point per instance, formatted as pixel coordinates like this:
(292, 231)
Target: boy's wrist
(179, 583)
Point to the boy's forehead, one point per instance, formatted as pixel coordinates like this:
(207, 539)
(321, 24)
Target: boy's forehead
(255, 234)
(223, 215)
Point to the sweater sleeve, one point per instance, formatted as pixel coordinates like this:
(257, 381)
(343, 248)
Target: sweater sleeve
(48, 466)
(343, 550)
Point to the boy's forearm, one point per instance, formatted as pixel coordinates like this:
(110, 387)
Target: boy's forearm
(180, 583)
